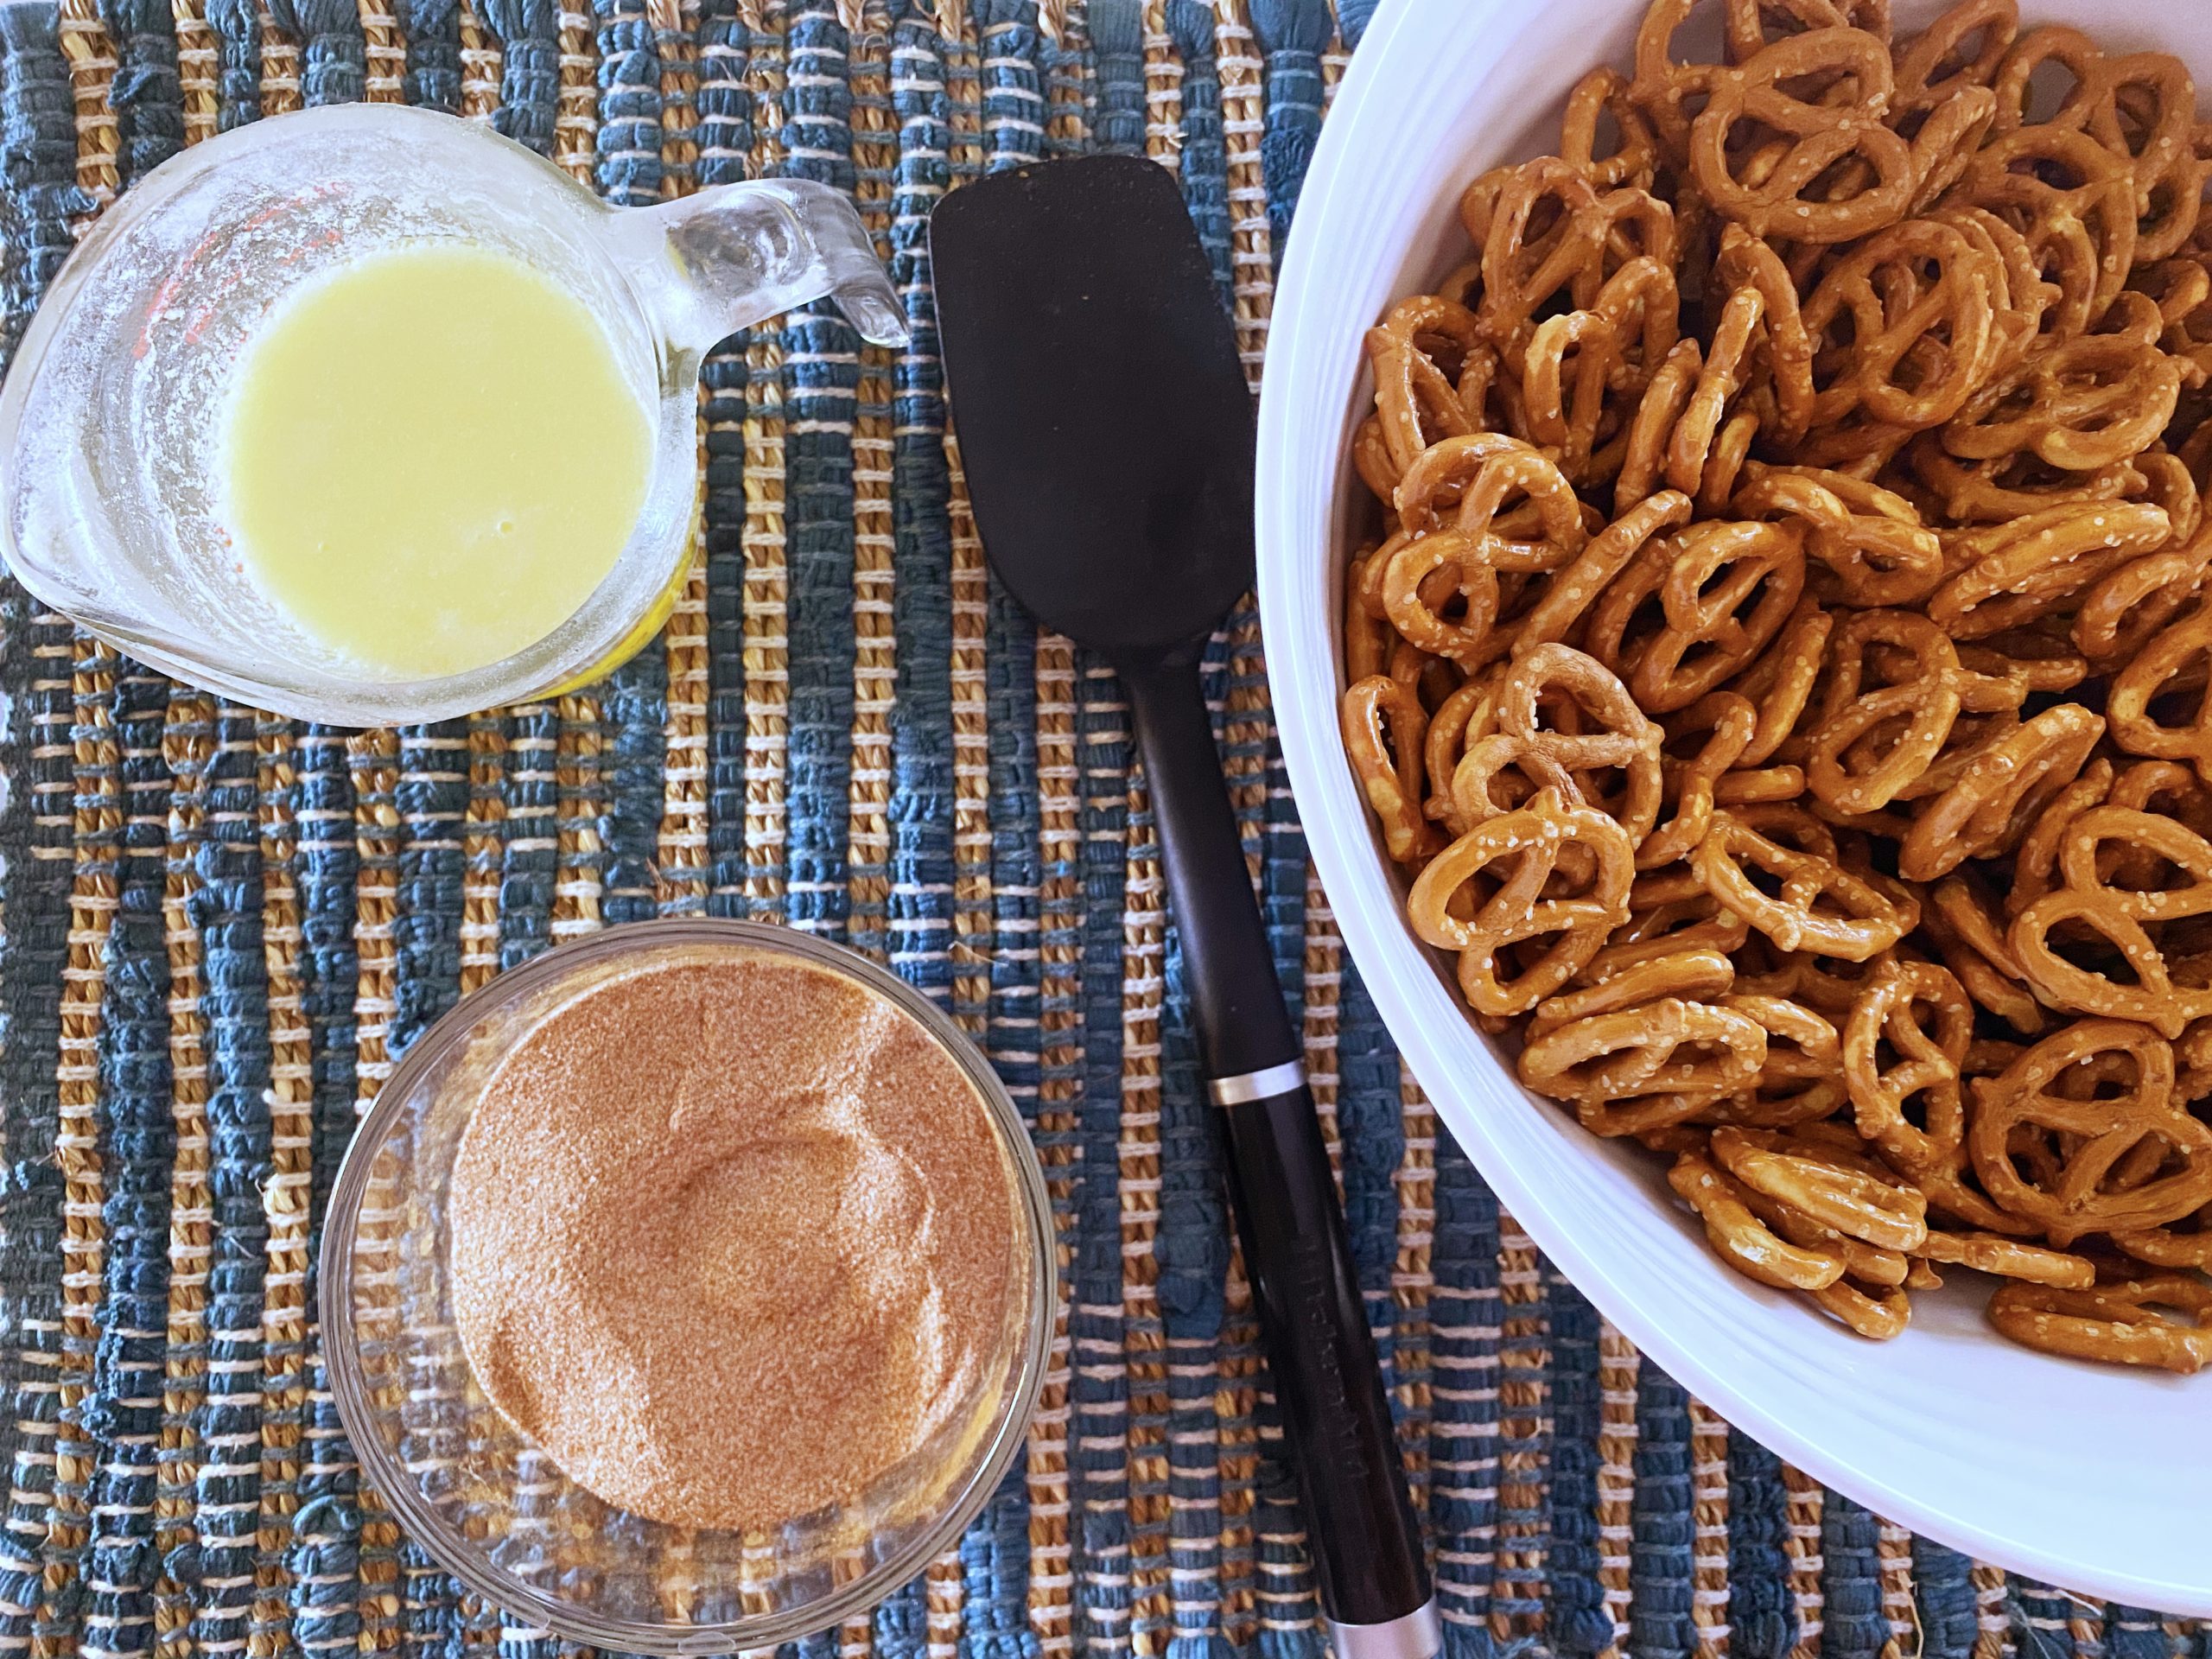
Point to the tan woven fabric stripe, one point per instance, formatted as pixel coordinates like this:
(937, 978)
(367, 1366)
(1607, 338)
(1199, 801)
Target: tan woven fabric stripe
(767, 673)
(1805, 1563)
(96, 830)
(1412, 1280)
(187, 750)
(1144, 936)
(481, 828)
(971, 828)
(1051, 1582)
(1251, 253)
(1163, 89)
(1709, 1518)
(286, 1195)
(375, 831)
(1059, 1088)
(1893, 1544)
(386, 51)
(480, 60)
(1523, 1400)
(875, 666)
(1993, 1632)
(196, 59)
(280, 68)
(1618, 1366)
(680, 864)
(92, 70)
(1323, 984)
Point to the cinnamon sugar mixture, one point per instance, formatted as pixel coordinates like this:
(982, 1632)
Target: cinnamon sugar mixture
(731, 1237)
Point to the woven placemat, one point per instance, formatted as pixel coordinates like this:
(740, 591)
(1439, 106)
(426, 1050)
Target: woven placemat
(220, 928)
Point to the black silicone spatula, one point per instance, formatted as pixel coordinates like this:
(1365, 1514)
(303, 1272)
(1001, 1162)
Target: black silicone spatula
(1107, 434)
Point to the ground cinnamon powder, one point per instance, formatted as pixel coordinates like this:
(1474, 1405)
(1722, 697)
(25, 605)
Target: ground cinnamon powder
(731, 1237)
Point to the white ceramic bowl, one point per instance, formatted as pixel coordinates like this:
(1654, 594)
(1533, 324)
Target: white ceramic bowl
(2098, 1480)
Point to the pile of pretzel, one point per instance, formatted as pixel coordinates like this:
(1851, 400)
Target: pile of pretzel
(1784, 668)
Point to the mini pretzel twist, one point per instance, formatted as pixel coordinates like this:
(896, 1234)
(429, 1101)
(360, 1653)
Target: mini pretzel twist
(1875, 743)
(1821, 907)
(1724, 591)
(1814, 137)
(1445, 913)
(2057, 1138)
(1917, 305)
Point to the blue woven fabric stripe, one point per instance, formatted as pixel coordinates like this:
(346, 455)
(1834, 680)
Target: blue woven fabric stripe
(922, 794)
(1851, 1581)
(1372, 1131)
(634, 703)
(1190, 1253)
(529, 69)
(1013, 132)
(1950, 1619)
(124, 1412)
(899, 1625)
(1464, 1315)
(148, 103)
(333, 56)
(1099, 1389)
(328, 866)
(529, 860)
(2134, 1633)
(38, 657)
(634, 697)
(1117, 47)
(1578, 1621)
(433, 73)
(1012, 109)
(1762, 1610)
(1292, 34)
(237, 24)
(38, 161)
(725, 138)
(994, 1573)
(627, 142)
(822, 382)
(1205, 149)
(432, 800)
(235, 1006)
(2041, 1617)
(1660, 1579)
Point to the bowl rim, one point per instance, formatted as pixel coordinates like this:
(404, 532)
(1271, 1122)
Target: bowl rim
(340, 1349)
(1304, 671)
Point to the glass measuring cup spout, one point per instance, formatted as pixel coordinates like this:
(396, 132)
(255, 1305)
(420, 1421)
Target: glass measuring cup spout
(112, 503)
(711, 263)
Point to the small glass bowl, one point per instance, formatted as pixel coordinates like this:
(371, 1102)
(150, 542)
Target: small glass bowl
(495, 1511)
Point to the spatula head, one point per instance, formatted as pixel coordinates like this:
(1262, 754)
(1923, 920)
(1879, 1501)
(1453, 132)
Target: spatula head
(1103, 419)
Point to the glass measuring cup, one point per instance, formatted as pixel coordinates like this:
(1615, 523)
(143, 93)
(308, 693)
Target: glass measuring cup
(110, 511)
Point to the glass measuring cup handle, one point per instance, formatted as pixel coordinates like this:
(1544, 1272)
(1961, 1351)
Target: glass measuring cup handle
(708, 264)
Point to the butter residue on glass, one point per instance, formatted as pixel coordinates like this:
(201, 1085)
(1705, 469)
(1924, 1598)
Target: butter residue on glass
(732, 1237)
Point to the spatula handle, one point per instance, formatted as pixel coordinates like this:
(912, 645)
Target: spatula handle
(1367, 1551)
